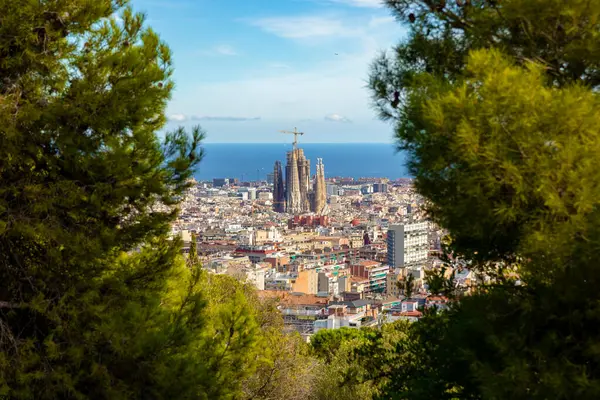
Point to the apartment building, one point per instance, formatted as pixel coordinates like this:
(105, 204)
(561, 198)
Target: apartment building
(374, 272)
(408, 245)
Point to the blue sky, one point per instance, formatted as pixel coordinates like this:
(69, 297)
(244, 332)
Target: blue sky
(245, 69)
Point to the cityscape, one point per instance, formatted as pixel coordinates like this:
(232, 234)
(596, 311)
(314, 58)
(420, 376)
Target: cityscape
(299, 199)
(334, 250)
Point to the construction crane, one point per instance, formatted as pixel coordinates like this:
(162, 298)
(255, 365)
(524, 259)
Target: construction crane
(295, 133)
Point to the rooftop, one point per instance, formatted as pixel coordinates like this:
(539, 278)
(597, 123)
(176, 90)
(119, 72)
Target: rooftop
(289, 299)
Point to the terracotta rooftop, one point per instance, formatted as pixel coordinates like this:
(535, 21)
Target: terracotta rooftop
(437, 298)
(288, 298)
(412, 314)
(368, 263)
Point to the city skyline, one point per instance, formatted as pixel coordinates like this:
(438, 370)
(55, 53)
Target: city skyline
(247, 70)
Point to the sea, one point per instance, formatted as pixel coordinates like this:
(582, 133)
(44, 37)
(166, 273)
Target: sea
(253, 161)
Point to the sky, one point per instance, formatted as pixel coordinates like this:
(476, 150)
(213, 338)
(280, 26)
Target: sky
(246, 69)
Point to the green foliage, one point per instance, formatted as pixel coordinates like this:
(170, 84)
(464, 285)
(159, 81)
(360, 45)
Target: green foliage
(510, 148)
(488, 213)
(359, 363)
(326, 343)
(522, 156)
(421, 365)
(496, 104)
(286, 370)
(438, 283)
(95, 301)
(408, 285)
(342, 374)
(193, 255)
(504, 342)
(232, 340)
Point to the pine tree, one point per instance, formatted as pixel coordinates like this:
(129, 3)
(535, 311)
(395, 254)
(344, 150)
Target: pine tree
(193, 255)
(496, 104)
(511, 132)
(560, 36)
(95, 301)
(408, 286)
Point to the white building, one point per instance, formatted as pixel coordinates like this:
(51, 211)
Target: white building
(408, 245)
(336, 322)
(256, 275)
(247, 193)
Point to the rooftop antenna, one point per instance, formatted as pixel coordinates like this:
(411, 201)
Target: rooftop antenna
(295, 133)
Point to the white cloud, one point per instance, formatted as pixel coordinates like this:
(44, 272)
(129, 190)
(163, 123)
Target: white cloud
(337, 118)
(183, 118)
(377, 22)
(177, 117)
(225, 50)
(116, 17)
(285, 96)
(335, 84)
(303, 27)
(219, 50)
(224, 118)
(278, 65)
(319, 27)
(361, 3)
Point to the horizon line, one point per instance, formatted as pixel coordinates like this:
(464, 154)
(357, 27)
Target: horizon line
(299, 144)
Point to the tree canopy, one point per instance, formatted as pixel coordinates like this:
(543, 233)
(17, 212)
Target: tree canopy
(95, 299)
(487, 208)
(496, 104)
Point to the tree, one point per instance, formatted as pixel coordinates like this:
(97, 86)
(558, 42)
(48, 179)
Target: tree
(286, 371)
(326, 343)
(353, 361)
(95, 300)
(278, 365)
(407, 285)
(343, 377)
(438, 283)
(193, 255)
(232, 344)
(485, 209)
(522, 152)
(513, 148)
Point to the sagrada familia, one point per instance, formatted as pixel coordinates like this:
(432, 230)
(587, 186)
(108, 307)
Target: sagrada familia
(294, 195)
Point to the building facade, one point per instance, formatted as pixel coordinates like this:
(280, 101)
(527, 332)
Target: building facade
(295, 195)
(374, 272)
(297, 174)
(408, 245)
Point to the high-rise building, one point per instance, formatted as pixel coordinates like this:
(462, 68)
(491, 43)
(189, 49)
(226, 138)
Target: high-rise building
(320, 195)
(278, 188)
(270, 179)
(407, 245)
